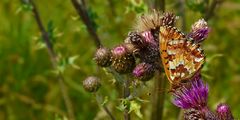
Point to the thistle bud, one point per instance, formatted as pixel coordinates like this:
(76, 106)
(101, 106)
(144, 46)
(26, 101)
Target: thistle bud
(193, 114)
(209, 115)
(103, 57)
(224, 112)
(143, 71)
(136, 39)
(199, 31)
(122, 59)
(91, 84)
(168, 19)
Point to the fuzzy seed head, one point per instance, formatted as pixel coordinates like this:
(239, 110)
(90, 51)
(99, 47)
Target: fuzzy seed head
(146, 22)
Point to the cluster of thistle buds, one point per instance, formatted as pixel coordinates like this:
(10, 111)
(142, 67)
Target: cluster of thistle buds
(139, 56)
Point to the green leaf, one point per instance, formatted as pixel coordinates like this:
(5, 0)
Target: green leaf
(38, 43)
(135, 107)
(136, 6)
(71, 61)
(105, 101)
(124, 105)
(93, 16)
(24, 7)
(50, 31)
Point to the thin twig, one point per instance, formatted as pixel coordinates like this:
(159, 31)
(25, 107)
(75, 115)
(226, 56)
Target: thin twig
(82, 11)
(99, 100)
(54, 60)
(126, 93)
(158, 99)
(210, 10)
(108, 112)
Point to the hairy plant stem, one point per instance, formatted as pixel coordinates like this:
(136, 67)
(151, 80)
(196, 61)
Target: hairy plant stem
(182, 14)
(82, 11)
(54, 60)
(157, 4)
(159, 82)
(158, 98)
(112, 7)
(126, 93)
(99, 100)
(180, 114)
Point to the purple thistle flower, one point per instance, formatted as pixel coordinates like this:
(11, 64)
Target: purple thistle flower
(149, 37)
(122, 59)
(224, 112)
(195, 96)
(199, 31)
(144, 71)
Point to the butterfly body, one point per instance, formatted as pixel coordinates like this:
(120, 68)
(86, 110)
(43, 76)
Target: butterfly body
(181, 58)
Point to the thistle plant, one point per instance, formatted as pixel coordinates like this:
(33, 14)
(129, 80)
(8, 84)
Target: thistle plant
(139, 57)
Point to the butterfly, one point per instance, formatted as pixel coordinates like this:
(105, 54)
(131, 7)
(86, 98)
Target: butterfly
(181, 57)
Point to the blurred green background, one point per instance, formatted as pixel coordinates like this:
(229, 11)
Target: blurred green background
(29, 88)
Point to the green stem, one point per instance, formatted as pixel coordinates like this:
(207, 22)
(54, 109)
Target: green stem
(126, 93)
(99, 101)
(158, 98)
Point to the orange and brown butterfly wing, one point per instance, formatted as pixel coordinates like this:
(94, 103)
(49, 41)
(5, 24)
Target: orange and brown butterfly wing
(181, 58)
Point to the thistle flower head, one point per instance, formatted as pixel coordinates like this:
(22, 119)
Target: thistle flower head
(149, 37)
(122, 59)
(224, 112)
(148, 21)
(103, 57)
(169, 19)
(194, 96)
(153, 20)
(199, 31)
(91, 84)
(136, 39)
(144, 71)
(120, 50)
(201, 23)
